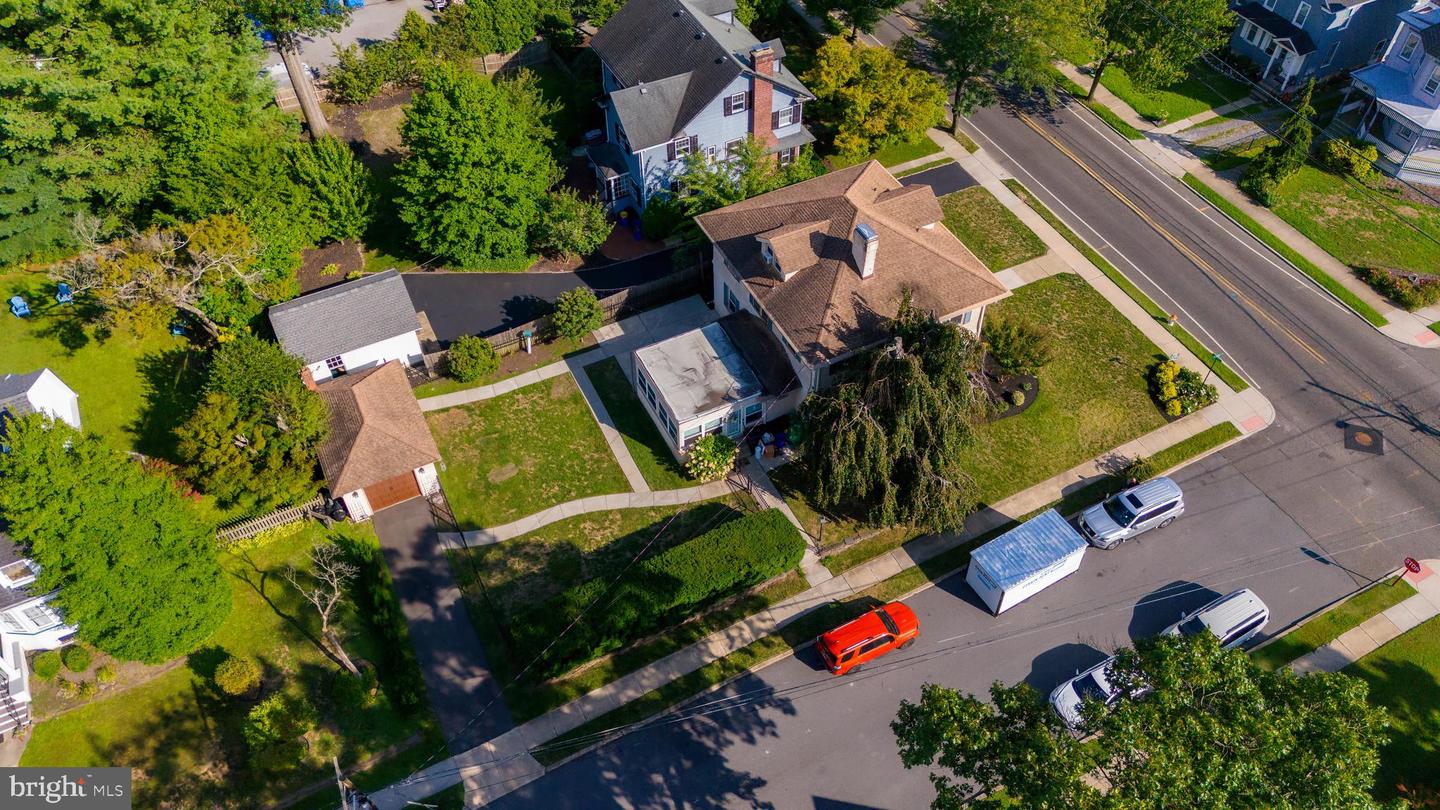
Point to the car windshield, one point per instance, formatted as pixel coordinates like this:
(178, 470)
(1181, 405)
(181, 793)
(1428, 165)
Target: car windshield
(1118, 511)
(1087, 688)
(1191, 627)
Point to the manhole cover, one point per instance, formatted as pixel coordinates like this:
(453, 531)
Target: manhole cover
(1364, 439)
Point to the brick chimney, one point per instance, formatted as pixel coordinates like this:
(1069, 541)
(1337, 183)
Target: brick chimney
(761, 98)
(308, 379)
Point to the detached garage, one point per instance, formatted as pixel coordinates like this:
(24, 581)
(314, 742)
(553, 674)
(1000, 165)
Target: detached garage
(1025, 560)
(379, 452)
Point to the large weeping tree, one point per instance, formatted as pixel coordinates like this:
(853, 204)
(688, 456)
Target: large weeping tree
(889, 443)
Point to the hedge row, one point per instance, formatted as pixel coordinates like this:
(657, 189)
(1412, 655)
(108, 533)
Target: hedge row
(397, 669)
(658, 591)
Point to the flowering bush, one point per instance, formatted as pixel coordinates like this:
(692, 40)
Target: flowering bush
(1178, 390)
(711, 457)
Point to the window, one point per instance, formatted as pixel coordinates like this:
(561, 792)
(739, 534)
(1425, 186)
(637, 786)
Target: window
(1379, 49)
(682, 147)
(692, 432)
(732, 148)
(1302, 13)
(336, 366)
(737, 102)
(714, 425)
(1411, 43)
(731, 302)
(1242, 631)
(1433, 83)
(786, 116)
(622, 139)
(787, 156)
(753, 412)
(966, 317)
(1270, 4)
(755, 305)
(875, 644)
(670, 426)
(40, 616)
(1334, 49)
(1403, 132)
(1247, 32)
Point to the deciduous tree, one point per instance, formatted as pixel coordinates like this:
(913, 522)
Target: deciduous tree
(867, 98)
(1215, 730)
(1154, 41)
(290, 21)
(976, 42)
(857, 15)
(341, 190)
(577, 313)
(134, 563)
(570, 226)
(709, 184)
(324, 586)
(474, 182)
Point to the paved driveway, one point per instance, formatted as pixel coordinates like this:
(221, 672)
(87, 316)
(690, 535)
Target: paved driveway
(457, 676)
(378, 20)
(946, 179)
(485, 303)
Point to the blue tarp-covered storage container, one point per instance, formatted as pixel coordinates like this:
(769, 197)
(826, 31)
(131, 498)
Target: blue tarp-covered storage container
(1025, 560)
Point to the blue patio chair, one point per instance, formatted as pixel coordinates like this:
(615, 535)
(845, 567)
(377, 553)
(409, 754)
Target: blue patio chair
(18, 307)
(178, 328)
(63, 295)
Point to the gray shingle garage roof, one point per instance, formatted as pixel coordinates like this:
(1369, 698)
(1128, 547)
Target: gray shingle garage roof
(345, 317)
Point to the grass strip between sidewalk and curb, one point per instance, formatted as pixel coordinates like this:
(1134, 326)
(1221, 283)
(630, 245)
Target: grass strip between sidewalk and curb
(925, 167)
(1105, 113)
(1275, 243)
(1321, 628)
(1435, 327)
(803, 630)
(1113, 273)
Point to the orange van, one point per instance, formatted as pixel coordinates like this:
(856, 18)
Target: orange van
(883, 629)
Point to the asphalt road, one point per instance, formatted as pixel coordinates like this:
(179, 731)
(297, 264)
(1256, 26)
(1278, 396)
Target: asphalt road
(1289, 513)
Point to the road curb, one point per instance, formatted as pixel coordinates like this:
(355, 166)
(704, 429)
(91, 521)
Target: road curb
(1320, 611)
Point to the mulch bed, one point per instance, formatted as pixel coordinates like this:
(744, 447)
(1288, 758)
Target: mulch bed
(999, 385)
(313, 261)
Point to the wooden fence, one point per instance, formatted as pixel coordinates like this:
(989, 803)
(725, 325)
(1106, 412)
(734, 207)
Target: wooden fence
(536, 52)
(250, 527)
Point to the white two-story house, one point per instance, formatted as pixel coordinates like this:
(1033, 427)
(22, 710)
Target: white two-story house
(807, 277)
(683, 76)
(1402, 113)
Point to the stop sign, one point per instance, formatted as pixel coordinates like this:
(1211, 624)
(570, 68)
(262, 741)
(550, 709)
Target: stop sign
(1411, 565)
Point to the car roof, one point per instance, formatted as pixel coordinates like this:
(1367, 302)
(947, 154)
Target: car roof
(1155, 491)
(869, 626)
(1230, 611)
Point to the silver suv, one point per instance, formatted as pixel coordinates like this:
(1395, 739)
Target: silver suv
(1234, 619)
(1153, 504)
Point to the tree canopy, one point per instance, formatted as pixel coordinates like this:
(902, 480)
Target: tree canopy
(135, 565)
(869, 98)
(1287, 155)
(1154, 41)
(290, 20)
(972, 40)
(709, 184)
(888, 443)
(1217, 731)
(473, 184)
(103, 101)
(857, 15)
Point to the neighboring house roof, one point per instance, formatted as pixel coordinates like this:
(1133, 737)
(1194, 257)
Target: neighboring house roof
(16, 386)
(825, 308)
(762, 352)
(1028, 549)
(10, 554)
(1278, 27)
(1391, 88)
(345, 317)
(376, 429)
(16, 399)
(684, 56)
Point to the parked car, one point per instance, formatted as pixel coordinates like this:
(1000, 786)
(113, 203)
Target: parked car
(1094, 683)
(888, 627)
(1130, 513)
(1234, 619)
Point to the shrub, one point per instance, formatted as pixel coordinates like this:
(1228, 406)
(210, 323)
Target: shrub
(46, 665)
(1411, 291)
(660, 590)
(76, 658)
(355, 77)
(274, 728)
(569, 225)
(265, 537)
(375, 601)
(577, 314)
(661, 217)
(471, 358)
(1139, 469)
(1348, 158)
(1017, 397)
(711, 457)
(1259, 185)
(1179, 390)
(1018, 346)
(86, 689)
(237, 676)
(105, 674)
(68, 688)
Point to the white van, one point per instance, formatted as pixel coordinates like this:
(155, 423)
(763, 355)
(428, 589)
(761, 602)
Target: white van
(1234, 619)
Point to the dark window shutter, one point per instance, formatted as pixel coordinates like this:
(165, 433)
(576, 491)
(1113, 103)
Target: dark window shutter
(670, 151)
(749, 100)
(728, 109)
(775, 120)
(694, 143)
(799, 111)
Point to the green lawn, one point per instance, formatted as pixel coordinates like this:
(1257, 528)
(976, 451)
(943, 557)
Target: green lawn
(1203, 90)
(1246, 112)
(1404, 677)
(1093, 395)
(925, 167)
(511, 365)
(516, 454)
(133, 388)
(894, 154)
(1330, 625)
(183, 738)
(1136, 294)
(1291, 255)
(1360, 228)
(649, 449)
(989, 229)
(523, 572)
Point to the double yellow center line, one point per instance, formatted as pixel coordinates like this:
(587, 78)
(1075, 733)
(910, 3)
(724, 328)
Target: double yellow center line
(1184, 249)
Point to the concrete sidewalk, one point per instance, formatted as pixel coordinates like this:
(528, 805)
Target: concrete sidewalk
(1170, 154)
(1360, 641)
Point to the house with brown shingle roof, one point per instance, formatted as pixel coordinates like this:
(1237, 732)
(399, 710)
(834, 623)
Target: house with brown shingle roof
(821, 267)
(379, 451)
